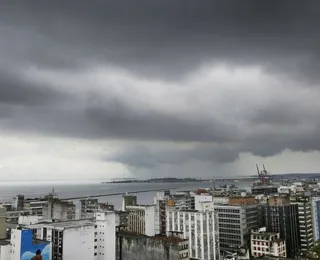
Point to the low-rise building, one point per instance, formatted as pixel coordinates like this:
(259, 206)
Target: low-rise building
(267, 243)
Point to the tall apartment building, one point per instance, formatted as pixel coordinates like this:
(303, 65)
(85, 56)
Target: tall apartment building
(283, 217)
(305, 221)
(315, 212)
(160, 215)
(142, 220)
(235, 222)
(266, 243)
(199, 228)
(106, 225)
(179, 201)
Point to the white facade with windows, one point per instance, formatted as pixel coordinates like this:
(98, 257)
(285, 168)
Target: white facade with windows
(142, 220)
(265, 243)
(198, 228)
(70, 239)
(105, 236)
(235, 223)
(198, 199)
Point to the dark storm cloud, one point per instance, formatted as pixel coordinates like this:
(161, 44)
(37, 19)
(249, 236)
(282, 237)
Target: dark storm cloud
(171, 37)
(122, 122)
(160, 40)
(143, 157)
(14, 90)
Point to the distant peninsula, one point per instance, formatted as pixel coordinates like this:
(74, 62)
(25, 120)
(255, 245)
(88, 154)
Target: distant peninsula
(158, 180)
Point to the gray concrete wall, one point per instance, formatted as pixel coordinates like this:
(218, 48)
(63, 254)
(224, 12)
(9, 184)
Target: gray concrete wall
(145, 248)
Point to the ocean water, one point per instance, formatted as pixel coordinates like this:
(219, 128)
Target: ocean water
(68, 190)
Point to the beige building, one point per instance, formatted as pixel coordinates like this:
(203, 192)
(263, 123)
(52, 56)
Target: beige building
(3, 232)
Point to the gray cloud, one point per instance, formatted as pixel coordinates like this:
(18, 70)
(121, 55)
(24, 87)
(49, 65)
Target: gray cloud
(162, 97)
(16, 91)
(144, 157)
(170, 37)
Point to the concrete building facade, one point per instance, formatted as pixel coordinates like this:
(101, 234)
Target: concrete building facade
(138, 247)
(5, 250)
(3, 231)
(105, 238)
(305, 221)
(70, 239)
(199, 228)
(128, 200)
(24, 245)
(315, 212)
(58, 210)
(198, 199)
(266, 243)
(18, 202)
(235, 223)
(283, 217)
(142, 220)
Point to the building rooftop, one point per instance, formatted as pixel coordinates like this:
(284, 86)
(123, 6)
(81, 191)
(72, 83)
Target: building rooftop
(139, 206)
(4, 242)
(169, 239)
(38, 241)
(63, 224)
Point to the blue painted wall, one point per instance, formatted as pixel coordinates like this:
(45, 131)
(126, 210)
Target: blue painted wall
(28, 249)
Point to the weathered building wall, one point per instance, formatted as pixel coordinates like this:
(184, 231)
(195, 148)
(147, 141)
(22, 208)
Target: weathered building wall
(145, 248)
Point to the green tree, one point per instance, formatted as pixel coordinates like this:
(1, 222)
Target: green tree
(316, 249)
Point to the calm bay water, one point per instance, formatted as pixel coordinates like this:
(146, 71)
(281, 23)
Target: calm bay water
(67, 190)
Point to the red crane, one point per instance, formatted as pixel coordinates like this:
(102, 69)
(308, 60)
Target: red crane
(263, 175)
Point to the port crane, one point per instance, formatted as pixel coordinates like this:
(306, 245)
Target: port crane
(264, 176)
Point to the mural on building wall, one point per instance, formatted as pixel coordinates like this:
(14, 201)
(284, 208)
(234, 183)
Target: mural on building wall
(32, 250)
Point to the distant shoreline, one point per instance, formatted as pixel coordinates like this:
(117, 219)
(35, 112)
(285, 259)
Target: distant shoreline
(159, 180)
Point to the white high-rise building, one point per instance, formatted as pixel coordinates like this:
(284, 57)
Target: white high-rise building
(106, 223)
(199, 228)
(142, 220)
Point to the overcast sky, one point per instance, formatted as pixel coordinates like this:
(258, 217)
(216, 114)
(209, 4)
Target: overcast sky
(150, 88)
